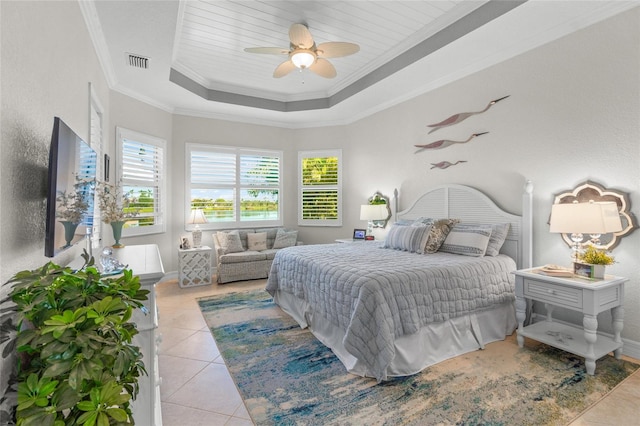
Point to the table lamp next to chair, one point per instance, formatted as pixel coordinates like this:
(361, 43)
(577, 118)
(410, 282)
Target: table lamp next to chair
(197, 217)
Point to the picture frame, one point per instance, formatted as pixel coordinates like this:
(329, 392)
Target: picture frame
(587, 270)
(359, 234)
(184, 243)
(582, 270)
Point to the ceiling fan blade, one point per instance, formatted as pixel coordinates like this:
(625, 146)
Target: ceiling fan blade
(336, 49)
(283, 69)
(300, 36)
(323, 68)
(267, 50)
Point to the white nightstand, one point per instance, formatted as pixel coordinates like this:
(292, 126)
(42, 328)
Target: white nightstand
(348, 240)
(590, 297)
(194, 266)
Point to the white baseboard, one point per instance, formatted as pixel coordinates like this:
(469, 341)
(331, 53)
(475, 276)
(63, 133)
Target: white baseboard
(172, 275)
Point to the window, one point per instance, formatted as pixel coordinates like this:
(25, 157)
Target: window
(85, 179)
(320, 188)
(140, 171)
(95, 140)
(220, 176)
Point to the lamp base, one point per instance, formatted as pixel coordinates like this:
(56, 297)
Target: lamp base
(196, 236)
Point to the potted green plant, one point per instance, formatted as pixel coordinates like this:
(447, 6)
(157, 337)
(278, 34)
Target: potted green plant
(76, 361)
(593, 262)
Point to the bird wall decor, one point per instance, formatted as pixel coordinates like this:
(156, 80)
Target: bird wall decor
(457, 118)
(443, 143)
(446, 164)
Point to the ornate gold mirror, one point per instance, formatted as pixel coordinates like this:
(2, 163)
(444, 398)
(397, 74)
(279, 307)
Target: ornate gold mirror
(591, 191)
(378, 198)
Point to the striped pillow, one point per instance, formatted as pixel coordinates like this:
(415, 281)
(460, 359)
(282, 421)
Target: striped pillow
(499, 232)
(468, 241)
(407, 238)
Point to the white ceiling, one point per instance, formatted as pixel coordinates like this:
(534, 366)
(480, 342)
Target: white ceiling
(197, 65)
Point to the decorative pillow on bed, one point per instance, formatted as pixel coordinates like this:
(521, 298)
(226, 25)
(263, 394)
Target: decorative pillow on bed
(285, 239)
(408, 238)
(257, 241)
(467, 240)
(230, 241)
(438, 233)
(499, 233)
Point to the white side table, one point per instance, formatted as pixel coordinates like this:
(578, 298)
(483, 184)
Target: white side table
(348, 240)
(590, 297)
(195, 266)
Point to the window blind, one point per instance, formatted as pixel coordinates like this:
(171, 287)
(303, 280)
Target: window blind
(234, 186)
(320, 188)
(141, 166)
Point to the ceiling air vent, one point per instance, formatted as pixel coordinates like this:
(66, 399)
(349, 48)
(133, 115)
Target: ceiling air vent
(137, 61)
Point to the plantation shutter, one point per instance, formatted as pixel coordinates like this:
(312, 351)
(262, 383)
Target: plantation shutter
(320, 188)
(234, 186)
(214, 172)
(141, 171)
(95, 139)
(87, 172)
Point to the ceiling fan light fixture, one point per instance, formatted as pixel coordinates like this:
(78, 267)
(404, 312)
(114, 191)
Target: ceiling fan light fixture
(303, 58)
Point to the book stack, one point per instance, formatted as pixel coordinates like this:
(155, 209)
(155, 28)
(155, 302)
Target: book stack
(555, 271)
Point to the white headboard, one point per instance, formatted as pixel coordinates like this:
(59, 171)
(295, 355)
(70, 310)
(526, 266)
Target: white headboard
(470, 205)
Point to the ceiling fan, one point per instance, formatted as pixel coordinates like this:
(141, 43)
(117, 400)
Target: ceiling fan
(304, 54)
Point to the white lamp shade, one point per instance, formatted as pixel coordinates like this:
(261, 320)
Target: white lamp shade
(197, 217)
(373, 212)
(303, 58)
(585, 218)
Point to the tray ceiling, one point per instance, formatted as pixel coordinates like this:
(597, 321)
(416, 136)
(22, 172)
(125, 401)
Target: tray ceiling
(188, 57)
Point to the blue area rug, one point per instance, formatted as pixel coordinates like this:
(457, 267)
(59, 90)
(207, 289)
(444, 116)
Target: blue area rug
(287, 377)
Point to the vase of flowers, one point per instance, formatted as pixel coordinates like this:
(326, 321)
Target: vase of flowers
(593, 261)
(115, 207)
(71, 207)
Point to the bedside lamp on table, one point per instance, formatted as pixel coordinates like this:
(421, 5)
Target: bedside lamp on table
(371, 212)
(197, 217)
(594, 218)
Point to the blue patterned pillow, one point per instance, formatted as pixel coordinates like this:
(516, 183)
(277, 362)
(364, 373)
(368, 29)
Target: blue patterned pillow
(467, 240)
(408, 238)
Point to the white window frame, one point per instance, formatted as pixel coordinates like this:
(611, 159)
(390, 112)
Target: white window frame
(161, 204)
(236, 186)
(338, 187)
(96, 138)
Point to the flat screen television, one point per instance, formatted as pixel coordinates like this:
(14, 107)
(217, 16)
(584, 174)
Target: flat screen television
(71, 189)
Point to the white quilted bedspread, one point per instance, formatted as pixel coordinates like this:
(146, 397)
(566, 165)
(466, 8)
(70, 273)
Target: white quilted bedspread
(375, 295)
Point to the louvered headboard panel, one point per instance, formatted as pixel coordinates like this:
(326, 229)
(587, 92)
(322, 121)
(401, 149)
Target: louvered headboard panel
(472, 206)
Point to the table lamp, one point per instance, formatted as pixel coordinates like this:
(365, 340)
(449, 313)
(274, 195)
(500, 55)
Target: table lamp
(594, 218)
(371, 212)
(197, 217)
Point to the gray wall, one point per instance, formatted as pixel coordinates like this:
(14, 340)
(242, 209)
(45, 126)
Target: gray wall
(573, 115)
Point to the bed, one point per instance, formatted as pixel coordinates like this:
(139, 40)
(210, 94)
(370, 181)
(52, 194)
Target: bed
(386, 312)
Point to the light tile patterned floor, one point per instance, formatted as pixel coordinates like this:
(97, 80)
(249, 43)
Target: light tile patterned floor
(197, 389)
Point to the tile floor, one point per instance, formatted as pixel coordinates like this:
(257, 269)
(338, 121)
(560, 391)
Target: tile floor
(197, 389)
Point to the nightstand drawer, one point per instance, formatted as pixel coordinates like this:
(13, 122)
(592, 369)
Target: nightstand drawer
(555, 294)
